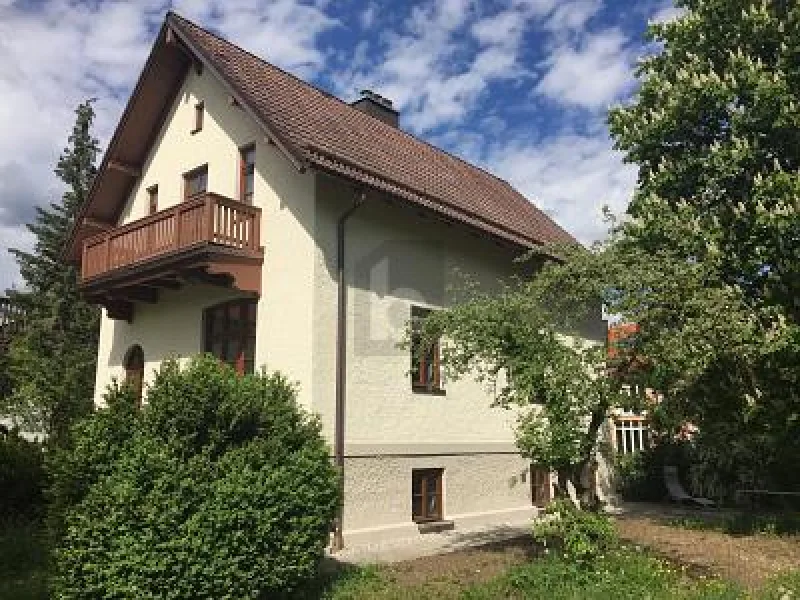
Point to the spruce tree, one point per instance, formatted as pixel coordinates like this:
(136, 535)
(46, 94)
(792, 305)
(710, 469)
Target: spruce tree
(53, 362)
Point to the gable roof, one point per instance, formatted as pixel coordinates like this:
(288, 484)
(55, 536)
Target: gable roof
(314, 129)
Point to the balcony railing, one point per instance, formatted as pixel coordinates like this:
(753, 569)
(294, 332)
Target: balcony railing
(203, 220)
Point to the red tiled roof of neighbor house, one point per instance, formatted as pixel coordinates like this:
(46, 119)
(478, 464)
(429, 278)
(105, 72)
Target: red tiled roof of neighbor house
(324, 132)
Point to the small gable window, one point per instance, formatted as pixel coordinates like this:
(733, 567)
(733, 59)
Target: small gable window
(134, 371)
(247, 167)
(199, 110)
(195, 182)
(152, 199)
(425, 367)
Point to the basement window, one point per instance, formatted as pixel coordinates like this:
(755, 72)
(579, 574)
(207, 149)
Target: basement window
(426, 495)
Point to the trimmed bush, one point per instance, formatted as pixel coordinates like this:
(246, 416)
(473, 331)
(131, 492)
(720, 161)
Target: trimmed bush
(579, 535)
(21, 476)
(222, 487)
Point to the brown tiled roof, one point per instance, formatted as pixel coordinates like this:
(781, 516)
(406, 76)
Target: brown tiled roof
(322, 131)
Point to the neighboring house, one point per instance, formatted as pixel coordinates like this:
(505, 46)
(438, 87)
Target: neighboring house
(630, 431)
(242, 212)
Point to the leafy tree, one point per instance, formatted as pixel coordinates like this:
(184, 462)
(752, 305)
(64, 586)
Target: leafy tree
(711, 249)
(540, 344)
(221, 486)
(52, 364)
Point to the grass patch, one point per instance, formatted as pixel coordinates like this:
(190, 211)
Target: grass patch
(742, 523)
(624, 573)
(23, 561)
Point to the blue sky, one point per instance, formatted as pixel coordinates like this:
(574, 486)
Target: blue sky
(520, 87)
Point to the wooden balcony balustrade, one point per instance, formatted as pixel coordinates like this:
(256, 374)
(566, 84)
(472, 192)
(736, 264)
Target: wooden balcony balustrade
(208, 238)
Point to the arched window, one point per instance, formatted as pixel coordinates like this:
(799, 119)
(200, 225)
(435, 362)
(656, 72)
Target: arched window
(230, 333)
(134, 370)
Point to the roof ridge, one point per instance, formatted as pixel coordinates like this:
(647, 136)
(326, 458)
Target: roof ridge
(173, 14)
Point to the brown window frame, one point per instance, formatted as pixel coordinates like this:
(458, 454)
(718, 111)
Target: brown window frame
(133, 362)
(426, 376)
(242, 336)
(152, 199)
(189, 176)
(420, 489)
(246, 170)
(199, 110)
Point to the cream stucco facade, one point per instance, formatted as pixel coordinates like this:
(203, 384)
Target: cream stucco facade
(396, 258)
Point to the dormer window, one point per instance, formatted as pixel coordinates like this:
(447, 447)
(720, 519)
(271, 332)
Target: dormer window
(199, 109)
(195, 182)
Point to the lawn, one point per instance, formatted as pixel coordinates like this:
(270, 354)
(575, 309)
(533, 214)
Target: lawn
(512, 570)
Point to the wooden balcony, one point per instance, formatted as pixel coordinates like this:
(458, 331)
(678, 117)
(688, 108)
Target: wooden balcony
(207, 239)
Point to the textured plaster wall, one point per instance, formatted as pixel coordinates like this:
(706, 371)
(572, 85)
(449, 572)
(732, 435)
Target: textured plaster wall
(396, 259)
(378, 489)
(170, 328)
(286, 199)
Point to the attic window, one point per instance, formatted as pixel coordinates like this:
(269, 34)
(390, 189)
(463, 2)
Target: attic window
(199, 109)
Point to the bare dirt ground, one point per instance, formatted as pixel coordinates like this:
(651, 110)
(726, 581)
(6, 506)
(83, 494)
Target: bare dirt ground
(745, 559)
(464, 567)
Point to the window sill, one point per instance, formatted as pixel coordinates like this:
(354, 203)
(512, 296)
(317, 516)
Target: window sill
(193, 131)
(435, 526)
(430, 391)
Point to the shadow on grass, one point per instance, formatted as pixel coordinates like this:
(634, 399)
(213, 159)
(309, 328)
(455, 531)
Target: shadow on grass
(741, 523)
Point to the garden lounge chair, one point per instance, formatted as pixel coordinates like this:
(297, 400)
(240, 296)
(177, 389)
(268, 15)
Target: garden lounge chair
(678, 493)
(573, 494)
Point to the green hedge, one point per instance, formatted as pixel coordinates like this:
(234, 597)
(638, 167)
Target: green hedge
(21, 476)
(221, 487)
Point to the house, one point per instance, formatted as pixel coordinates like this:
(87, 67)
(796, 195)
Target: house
(242, 212)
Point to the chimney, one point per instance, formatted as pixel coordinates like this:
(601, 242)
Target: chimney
(377, 106)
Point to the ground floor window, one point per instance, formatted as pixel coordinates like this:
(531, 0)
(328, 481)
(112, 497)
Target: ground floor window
(540, 486)
(426, 495)
(632, 434)
(230, 333)
(134, 371)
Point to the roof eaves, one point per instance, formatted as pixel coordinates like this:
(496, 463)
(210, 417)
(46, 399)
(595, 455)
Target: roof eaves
(338, 166)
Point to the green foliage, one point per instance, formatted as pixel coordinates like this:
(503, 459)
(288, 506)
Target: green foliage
(23, 560)
(52, 363)
(21, 476)
(621, 573)
(578, 535)
(743, 523)
(221, 486)
(708, 262)
(639, 477)
(551, 363)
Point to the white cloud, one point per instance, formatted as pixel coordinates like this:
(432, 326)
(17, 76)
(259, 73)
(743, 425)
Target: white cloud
(57, 53)
(569, 176)
(591, 74)
(367, 18)
(436, 65)
(667, 12)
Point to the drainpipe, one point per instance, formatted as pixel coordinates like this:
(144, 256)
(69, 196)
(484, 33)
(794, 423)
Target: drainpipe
(341, 363)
